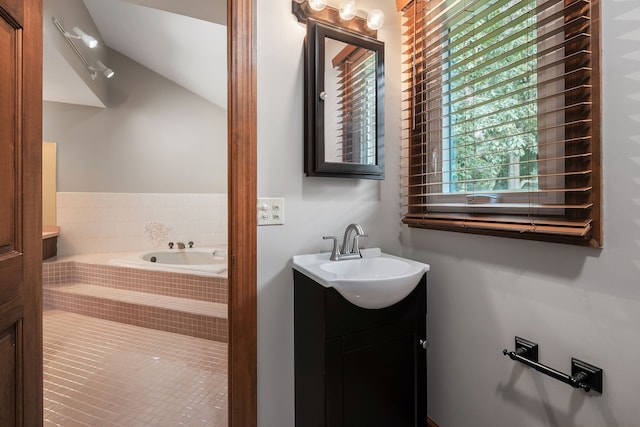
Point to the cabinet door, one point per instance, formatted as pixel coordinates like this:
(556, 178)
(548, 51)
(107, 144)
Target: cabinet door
(376, 378)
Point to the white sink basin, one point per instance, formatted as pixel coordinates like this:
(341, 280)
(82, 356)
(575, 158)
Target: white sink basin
(376, 280)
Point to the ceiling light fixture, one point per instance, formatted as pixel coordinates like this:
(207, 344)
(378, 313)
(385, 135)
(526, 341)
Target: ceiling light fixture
(88, 40)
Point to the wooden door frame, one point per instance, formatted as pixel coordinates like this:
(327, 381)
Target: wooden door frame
(242, 138)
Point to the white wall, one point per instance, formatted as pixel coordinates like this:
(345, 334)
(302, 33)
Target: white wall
(575, 302)
(153, 137)
(314, 206)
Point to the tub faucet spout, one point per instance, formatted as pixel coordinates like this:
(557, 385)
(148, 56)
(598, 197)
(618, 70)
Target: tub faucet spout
(180, 245)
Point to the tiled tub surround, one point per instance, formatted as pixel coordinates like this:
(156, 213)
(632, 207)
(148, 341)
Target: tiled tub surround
(124, 222)
(174, 302)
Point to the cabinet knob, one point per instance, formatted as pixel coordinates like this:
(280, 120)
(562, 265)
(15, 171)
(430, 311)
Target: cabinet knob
(424, 344)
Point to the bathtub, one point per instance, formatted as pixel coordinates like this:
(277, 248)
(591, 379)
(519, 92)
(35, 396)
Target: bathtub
(202, 261)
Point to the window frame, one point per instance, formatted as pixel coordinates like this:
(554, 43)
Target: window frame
(484, 216)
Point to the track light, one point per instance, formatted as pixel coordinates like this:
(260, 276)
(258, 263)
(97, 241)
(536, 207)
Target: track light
(90, 41)
(100, 67)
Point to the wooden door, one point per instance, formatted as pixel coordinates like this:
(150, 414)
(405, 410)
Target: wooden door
(20, 213)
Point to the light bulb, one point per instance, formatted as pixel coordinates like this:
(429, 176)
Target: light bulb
(317, 5)
(348, 9)
(375, 19)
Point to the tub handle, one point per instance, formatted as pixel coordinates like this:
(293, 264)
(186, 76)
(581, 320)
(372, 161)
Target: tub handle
(190, 244)
(170, 245)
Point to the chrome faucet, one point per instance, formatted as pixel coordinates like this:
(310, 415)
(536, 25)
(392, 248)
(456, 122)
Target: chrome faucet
(350, 248)
(180, 245)
(350, 245)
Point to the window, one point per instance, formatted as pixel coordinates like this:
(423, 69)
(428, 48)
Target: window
(502, 118)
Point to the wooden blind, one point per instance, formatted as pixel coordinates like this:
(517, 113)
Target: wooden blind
(357, 104)
(502, 118)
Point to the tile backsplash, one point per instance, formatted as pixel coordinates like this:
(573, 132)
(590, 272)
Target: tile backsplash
(124, 222)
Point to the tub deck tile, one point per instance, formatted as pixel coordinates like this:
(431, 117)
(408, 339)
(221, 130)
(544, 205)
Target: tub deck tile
(204, 308)
(196, 318)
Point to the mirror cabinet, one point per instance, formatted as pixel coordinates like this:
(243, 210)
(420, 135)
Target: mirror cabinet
(344, 103)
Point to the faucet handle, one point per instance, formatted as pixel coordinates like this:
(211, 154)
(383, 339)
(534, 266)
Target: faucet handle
(190, 244)
(170, 245)
(336, 247)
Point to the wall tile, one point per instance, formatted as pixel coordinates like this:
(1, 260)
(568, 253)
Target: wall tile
(115, 222)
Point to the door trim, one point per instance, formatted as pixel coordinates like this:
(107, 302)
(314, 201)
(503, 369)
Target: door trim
(242, 138)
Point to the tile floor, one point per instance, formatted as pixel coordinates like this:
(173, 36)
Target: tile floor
(102, 373)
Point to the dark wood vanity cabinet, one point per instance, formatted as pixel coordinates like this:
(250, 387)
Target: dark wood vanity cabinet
(357, 367)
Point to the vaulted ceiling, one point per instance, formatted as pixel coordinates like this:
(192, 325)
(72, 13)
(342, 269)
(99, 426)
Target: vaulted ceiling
(183, 41)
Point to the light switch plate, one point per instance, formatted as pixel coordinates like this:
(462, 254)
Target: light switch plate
(270, 211)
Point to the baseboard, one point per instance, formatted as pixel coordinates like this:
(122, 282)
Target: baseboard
(431, 423)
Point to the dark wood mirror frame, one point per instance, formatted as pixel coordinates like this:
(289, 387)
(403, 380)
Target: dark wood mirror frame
(315, 163)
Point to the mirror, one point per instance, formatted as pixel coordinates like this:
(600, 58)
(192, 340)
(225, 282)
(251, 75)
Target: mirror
(344, 103)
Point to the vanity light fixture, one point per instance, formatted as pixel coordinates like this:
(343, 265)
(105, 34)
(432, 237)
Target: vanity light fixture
(348, 9)
(91, 42)
(375, 19)
(345, 15)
